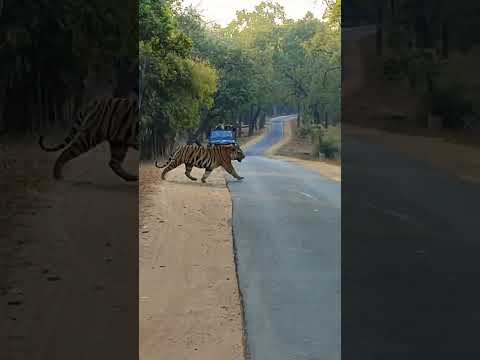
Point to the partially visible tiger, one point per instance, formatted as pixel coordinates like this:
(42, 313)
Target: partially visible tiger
(204, 157)
(108, 119)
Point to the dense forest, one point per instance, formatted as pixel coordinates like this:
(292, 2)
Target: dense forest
(195, 74)
(56, 55)
(428, 50)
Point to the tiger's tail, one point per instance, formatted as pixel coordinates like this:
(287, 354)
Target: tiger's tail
(161, 166)
(73, 131)
(170, 159)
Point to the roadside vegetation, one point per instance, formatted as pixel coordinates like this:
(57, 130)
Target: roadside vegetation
(57, 55)
(195, 75)
(422, 58)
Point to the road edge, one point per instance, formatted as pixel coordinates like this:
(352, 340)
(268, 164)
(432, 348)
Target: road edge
(286, 137)
(255, 139)
(227, 253)
(246, 351)
(309, 165)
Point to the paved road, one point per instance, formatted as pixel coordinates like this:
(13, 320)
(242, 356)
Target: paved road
(287, 235)
(410, 255)
(410, 245)
(275, 135)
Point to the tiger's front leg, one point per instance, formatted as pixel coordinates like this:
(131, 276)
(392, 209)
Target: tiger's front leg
(206, 175)
(118, 153)
(231, 170)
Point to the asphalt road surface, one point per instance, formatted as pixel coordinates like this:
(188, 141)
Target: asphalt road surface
(410, 245)
(286, 223)
(410, 250)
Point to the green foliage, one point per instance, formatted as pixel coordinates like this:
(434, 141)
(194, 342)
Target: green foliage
(175, 87)
(423, 39)
(328, 143)
(451, 104)
(195, 75)
(48, 48)
(308, 130)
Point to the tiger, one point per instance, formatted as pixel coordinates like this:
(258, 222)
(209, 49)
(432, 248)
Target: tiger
(204, 157)
(111, 119)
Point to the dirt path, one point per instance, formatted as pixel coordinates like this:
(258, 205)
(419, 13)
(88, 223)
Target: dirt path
(456, 159)
(189, 299)
(70, 263)
(329, 169)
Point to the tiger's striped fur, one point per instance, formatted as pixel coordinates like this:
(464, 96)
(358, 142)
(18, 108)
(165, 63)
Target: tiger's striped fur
(204, 157)
(109, 119)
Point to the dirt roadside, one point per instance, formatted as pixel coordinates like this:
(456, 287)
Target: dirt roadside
(287, 150)
(189, 299)
(455, 159)
(68, 258)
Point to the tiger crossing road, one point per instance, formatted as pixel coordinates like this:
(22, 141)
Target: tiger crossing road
(286, 223)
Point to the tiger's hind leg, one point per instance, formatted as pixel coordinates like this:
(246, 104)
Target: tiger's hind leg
(206, 175)
(188, 170)
(171, 165)
(78, 147)
(118, 152)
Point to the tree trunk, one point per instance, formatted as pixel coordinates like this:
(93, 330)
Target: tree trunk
(421, 27)
(203, 127)
(15, 110)
(316, 114)
(326, 119)
(299, 110)
(379, 32)
(238, 130)
(253, 121)
(263, 119)
(445, 44)
(3, 92)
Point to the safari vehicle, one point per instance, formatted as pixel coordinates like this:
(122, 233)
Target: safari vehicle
(222, 136)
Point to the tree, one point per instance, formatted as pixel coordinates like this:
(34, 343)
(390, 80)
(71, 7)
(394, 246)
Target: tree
(262, 61)
(48, 49)
(175, 87)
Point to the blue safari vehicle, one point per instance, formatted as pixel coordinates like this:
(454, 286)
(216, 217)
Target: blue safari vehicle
(221, 136)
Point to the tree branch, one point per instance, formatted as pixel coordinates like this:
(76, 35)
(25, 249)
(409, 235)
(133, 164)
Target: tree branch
(326, 72)
(297, 83)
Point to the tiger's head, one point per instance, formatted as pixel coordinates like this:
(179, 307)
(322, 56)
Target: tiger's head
(236, 153)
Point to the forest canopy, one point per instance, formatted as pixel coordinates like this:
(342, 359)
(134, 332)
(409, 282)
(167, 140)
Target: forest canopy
(48, 51)
(195, 74)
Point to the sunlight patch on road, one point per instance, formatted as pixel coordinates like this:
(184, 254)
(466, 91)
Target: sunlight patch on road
(307, 195)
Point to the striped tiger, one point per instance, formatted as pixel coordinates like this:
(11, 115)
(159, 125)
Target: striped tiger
(204, 157)
(108, 119)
